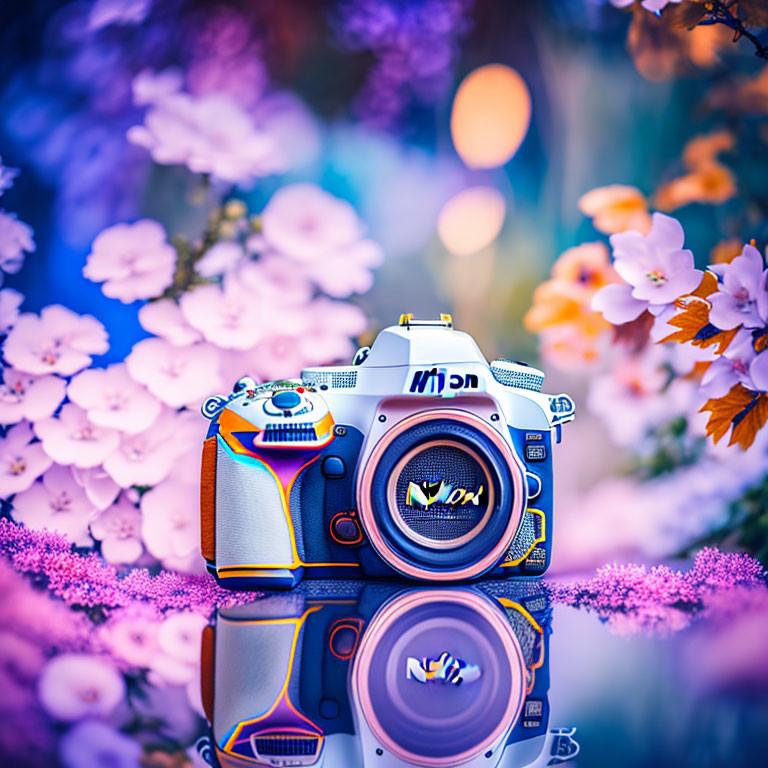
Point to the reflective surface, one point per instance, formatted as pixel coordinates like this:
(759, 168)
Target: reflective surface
(344, 675)
(358, 675)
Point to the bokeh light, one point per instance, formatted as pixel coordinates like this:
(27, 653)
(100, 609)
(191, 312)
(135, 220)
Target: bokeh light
(491, 114)
(471, 220)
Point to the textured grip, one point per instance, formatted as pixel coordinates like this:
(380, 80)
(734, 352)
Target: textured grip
(252, 527)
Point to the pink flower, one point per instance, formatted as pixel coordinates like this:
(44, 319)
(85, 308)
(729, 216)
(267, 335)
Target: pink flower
(227, 317)
(629, 398)
(57, 503)
(21, 462)
(10, 301)
(99, 487)
(131, 636)
(739, 294)
(177, 375)
(307, 223)
(347, 270)
(271, 277)
(94, 744)
(209, 134)
(220, 258)
(15, 239)
(180, 638)
(170, 525)
(656, 268)
(77, 685)
(758, 371)
(165, 319)
(111, 398)
(118, 528)
(58, 341)
(150, 87)
(147, 458)
(134, 261)
(72, 438)
(29, 397)
(730, 368)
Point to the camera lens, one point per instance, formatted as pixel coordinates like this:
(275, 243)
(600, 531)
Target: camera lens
(439, 719)
(441, 493)
(441, 496)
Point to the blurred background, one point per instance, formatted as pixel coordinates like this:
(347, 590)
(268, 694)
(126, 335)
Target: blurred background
(315, 168)
(464, 133)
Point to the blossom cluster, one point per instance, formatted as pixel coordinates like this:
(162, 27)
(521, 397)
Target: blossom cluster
(111, 453)
(595, 308)
(633, 598)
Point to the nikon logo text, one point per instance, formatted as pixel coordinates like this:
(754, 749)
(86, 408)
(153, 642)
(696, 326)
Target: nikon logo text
(438, 381)
(425, 493)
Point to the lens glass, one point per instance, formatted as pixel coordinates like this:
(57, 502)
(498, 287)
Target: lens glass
(441, 494)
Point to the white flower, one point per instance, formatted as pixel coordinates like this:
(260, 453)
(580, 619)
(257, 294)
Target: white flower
(111, 398)
(118, 528)
(57, 503)
(74, 685)
(209, 134)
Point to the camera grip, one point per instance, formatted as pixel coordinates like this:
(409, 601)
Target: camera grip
(252, 523)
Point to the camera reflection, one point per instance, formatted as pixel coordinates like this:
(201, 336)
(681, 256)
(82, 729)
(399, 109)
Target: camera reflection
(341, 675)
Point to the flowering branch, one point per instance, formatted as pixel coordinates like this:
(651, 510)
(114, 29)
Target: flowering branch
(718, 12)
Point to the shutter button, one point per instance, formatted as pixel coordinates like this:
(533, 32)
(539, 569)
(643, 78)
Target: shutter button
(286, 400)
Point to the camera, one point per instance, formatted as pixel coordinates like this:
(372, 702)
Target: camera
(344, 674)
(419, 459)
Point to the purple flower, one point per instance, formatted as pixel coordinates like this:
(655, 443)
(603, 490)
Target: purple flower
(7, 175)
(86, 580)
(758, 371)
(15, 240)
(635, 598)
(118, 528)
(736, 300)
(731, 368)
(113, 399)
(134, 261)
(58, 341)
(656, 268)
(21, 461)
(10, 301)
(29, 397)
(209, 134)
(72, 438)
(176, 375)
(76, 685)
(93, 744)
(56, 503)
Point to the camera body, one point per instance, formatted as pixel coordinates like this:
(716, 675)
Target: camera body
(381, 675)
(420, 460)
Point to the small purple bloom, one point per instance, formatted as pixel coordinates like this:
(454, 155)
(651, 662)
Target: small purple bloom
(15, 240)
(730, 368)
(736, 301)
(656, 268)
(93, 744)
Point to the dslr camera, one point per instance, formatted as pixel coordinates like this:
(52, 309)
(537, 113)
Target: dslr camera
(419, 459)
(340, 674)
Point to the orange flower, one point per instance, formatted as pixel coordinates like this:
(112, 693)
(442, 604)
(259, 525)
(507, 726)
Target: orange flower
(571, 332)
(747, 95)
(711, 183)
(616, 208)
(726, 251)
(702, 150)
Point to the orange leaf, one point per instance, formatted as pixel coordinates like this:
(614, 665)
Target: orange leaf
(742, 409)
(693, 319)
(750, 421)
